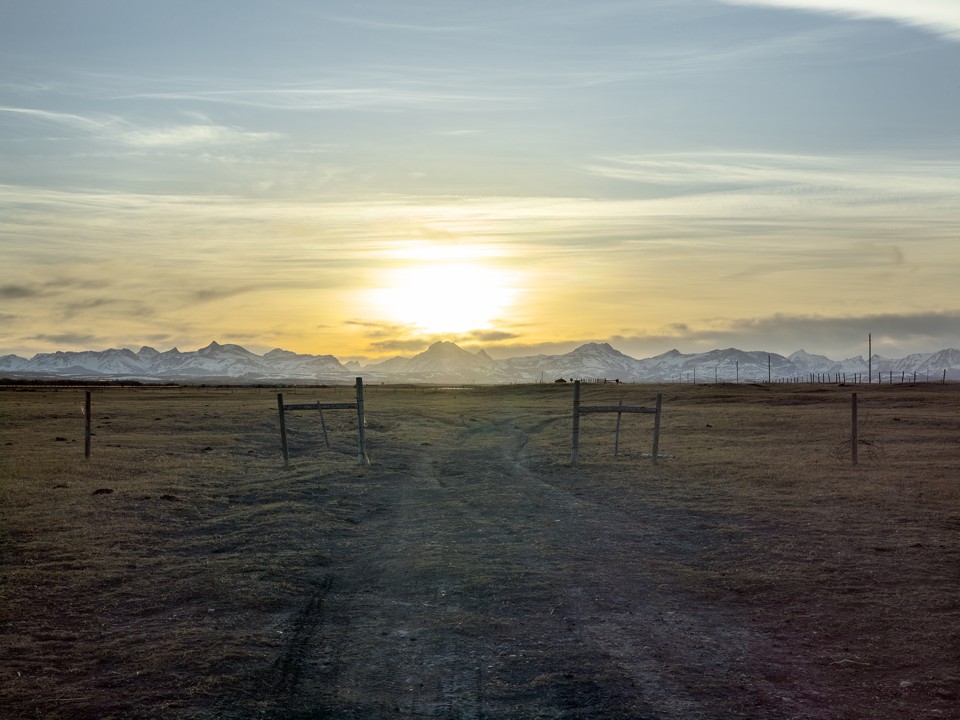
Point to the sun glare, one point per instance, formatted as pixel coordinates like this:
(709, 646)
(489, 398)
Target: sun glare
(445, 296)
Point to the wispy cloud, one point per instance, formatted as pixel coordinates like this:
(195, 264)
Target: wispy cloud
(490, 336)
(401, 27)
(192, 135)
(862, 195)
(939, 16)
(777, 170)
(836, 336)
(73, 309)
(383, 90)
(56, 286)
(92, 124)
(19, 292)
(81, 340)
(117, 129)
(209, 294)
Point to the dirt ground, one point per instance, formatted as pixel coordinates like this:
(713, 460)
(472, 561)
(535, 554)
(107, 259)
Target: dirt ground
(472, 571)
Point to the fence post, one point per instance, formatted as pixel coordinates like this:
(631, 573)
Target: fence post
(616, 442)
(361, 434)
(323, 425)
(656, 429)
(576, 421)
(853, 430)
(283, 431)
(87, 425)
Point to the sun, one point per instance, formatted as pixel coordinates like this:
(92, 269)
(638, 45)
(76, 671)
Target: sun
(445, 296)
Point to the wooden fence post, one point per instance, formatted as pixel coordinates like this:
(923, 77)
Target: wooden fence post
(87, 425)
(283, 431)
(616, 442)
(323, 426)
(361, 434)
(853, 430)
(656, 429)
(576, 421)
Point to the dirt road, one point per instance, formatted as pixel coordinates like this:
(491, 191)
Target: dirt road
(478, 583)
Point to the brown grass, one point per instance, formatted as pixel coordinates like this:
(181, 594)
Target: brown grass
(471, 571)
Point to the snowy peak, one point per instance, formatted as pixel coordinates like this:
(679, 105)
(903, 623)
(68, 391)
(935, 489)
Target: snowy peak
(593, 349)
(216, 348)
(11, 363)
(278, 354)
(807, 363)
(445, 361)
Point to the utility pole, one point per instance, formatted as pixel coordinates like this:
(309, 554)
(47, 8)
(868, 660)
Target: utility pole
(870, 357)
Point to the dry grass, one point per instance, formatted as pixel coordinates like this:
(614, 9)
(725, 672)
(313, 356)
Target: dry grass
(472, 572)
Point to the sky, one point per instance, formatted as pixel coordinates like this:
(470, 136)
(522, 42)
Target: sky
(365, 178)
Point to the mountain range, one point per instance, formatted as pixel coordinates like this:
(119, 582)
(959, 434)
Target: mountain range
(446, 362)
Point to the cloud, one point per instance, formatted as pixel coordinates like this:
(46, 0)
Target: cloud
(939, 16)
(219, 293)
(77, 308)
(400, 345)
(117, 129)
(75, 339)
(404, 27)
(18, 292)
(180, 135)
(489, 336)
(819, 174)
(838, 337)
(80, 122)
(385, 94)
(58, 286)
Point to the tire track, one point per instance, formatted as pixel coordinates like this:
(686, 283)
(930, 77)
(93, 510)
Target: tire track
(288, 667)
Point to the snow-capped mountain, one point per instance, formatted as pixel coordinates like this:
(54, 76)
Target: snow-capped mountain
(215, 362)
(445, 362)
(804, 362)
(442, 362)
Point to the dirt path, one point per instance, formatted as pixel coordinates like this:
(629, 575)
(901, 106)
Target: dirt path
(480, 584)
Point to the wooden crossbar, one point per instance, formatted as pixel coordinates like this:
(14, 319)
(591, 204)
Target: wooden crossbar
(320, 406)
(616, 409)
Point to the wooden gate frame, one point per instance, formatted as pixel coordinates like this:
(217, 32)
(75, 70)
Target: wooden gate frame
(579, 410)
(320, 407)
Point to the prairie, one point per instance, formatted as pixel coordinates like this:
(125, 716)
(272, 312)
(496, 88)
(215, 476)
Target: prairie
(472, 571)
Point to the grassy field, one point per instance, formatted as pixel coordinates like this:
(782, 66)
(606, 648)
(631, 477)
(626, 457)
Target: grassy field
(471, 571)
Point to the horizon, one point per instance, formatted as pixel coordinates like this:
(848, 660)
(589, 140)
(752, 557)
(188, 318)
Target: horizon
(325, 179)
(478, 349)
